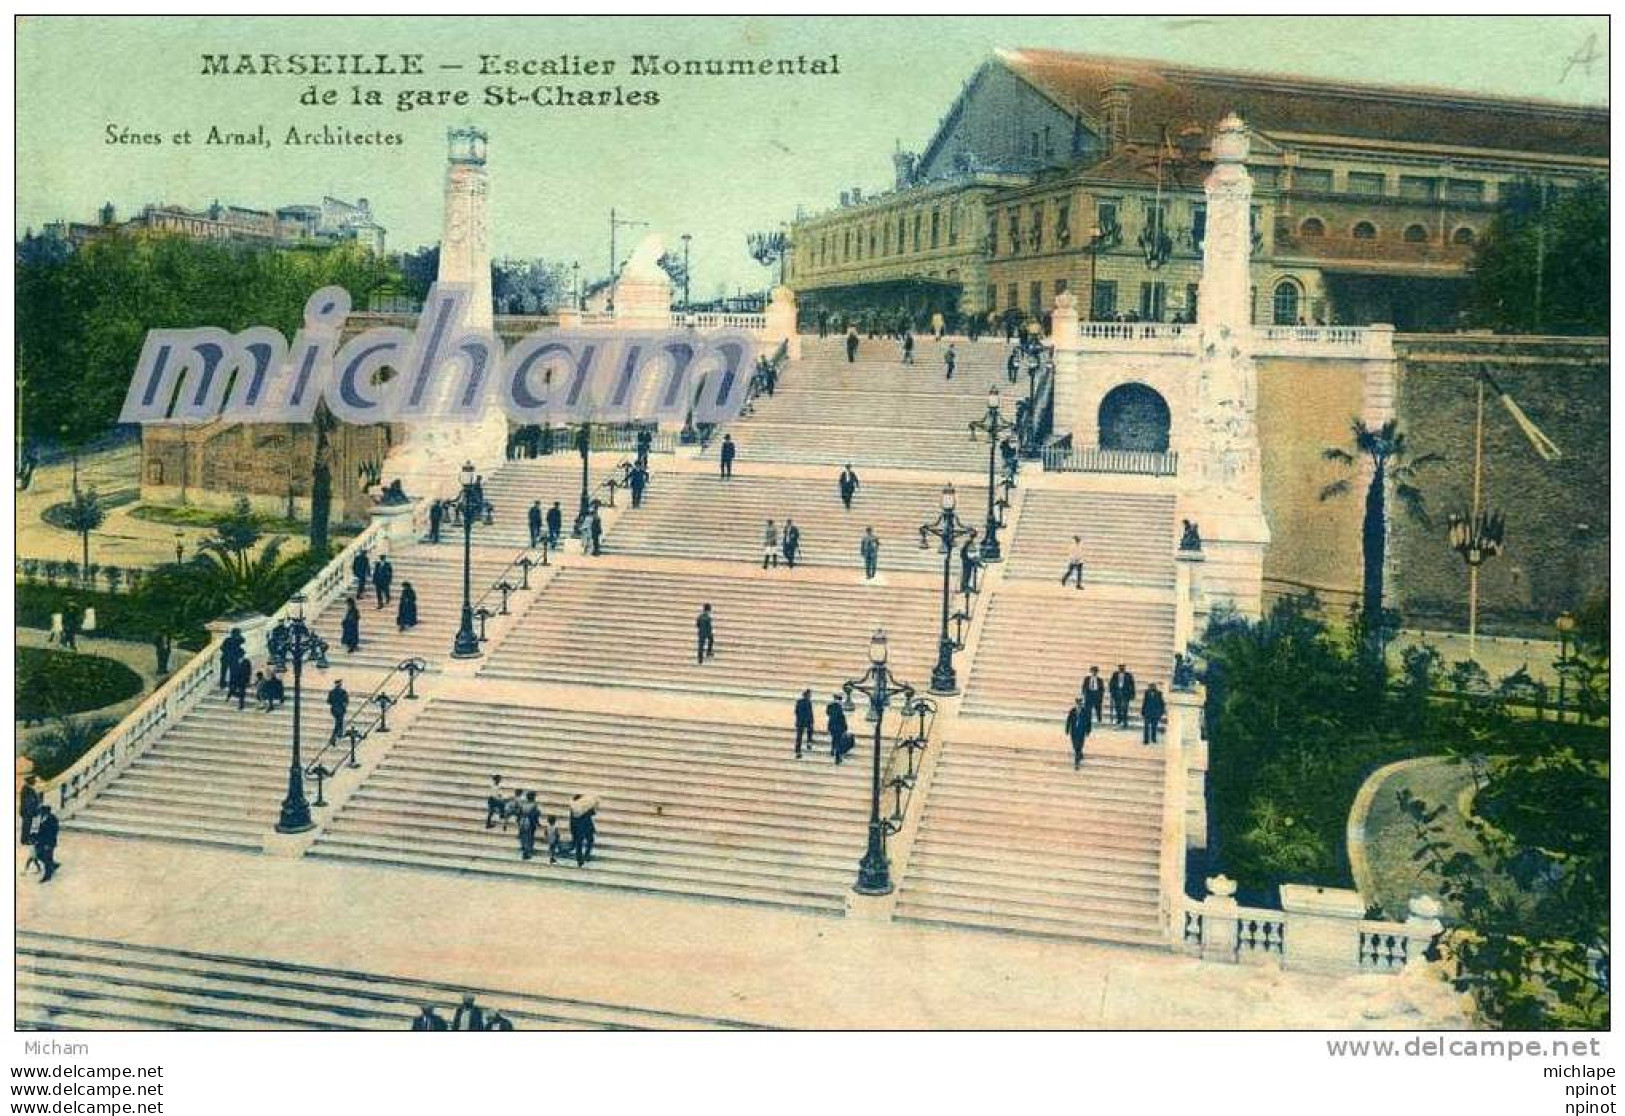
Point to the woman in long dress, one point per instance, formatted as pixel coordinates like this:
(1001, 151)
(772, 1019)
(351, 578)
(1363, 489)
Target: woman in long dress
(350, 630)
(406, 613)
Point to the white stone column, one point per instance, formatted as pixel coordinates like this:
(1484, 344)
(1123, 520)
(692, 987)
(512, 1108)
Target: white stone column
(1220, 932)
(1222, 476)
(1064, 335)
(781, 324)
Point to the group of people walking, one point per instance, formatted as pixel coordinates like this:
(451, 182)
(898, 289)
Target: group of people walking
(841, 740)
(469, 1016)
(40, 828)
(382, 575)
(519, 807)
(1088, 708)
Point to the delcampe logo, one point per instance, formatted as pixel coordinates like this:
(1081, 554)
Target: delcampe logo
(441, 371)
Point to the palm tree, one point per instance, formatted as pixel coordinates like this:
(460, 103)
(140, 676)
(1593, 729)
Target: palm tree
(83, 515)
(1391, 464)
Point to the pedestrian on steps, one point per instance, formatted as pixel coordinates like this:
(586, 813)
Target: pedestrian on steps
(729, 452)
(350, 628)
(908, 346)
(1094, 694)
(1077, 729)
(835, 724)
(792, 542)
(47, 830)
(338, 704)
(950, 358)
(1074, 562)
(437, 513)
(383, 580)
(770, 546)
(583, 826)
(241, 674)
(705, 632)
(530, 820)
(870, 549)
(1121, 688)
(406, 613)
(849, 486)
(555, 525)
(1152, 710)
(851, 343)
(360, 567)
(534, 520)
(804, 721)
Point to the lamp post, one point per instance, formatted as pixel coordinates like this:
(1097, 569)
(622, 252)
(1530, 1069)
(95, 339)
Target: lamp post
(949, 531)
(993, 424)
(584, 448)
(467, 644)
(686, 238)
(303, 643)
(575, 284)
(1480, 535)
(878, 684)
(1565, 631)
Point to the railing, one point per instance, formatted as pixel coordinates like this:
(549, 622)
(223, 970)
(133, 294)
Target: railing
(1141, 463)
(505, 585)
(622, 439)
(144, 724)
(1135, 331)
(1217, 929)
(355, 733)
(751, 322)
(171, 701)
(917, 719)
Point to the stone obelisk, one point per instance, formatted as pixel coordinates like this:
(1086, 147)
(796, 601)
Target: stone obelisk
(1224, 494)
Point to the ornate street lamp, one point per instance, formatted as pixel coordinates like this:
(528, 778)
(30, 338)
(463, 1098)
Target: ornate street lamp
(303, 643)
(1479, 535)
(993, 424)
(467, 644)
(948, 530)
(1097, 237)
(686, 238)
(584, 448)
(879, 685)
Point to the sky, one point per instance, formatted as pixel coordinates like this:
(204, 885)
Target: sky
(716, 158)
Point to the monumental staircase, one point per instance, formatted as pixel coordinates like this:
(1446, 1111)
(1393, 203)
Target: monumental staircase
(590, 684)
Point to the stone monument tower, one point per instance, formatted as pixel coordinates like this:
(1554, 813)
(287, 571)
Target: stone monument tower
(434, 449)
(1224, 492)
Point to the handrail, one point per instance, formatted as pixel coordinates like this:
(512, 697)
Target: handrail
(353, 735)
(1144, 463)
(170, 702)
(902, 764)
(521, 562)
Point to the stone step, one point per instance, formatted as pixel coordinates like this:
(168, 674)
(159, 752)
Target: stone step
(84, 984)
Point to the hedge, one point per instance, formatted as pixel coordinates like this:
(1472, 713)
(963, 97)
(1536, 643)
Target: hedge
(56, 683)
(116, 616)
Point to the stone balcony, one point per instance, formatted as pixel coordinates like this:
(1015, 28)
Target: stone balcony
(1373, 342)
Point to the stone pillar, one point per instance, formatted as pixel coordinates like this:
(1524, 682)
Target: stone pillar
(781, 324)
(1190, 613)
(1220, 932)
(1222, 486)
(1322, 928)
(1184, 724)
(1064, 335)
(1422, 926)
(569, 317)
(643, 289)
(398, 521)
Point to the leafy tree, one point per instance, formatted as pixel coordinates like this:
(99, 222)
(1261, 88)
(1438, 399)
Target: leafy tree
(1542, 267)
(83, 515)
(1391, 464)
(526, 286)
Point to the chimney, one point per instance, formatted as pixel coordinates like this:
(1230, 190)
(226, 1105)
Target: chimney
(1114, 108)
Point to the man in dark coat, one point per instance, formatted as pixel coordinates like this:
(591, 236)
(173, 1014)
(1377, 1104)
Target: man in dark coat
(792, 542)
(437, 513)
(595, 531)
(1094, 694)
(383, 579)
(1012, 367)
(470, 1016)
(277, 644)
(338, 704)
(950, 358)
(968, 564)
(645, 443)
(555, 525)
(1121, 687)
(242, 673)
(851, 344)
(32, 800)
(804, 721)
(534, 519)
(835, 722)
(231, 649)
(530, 820)
(429, 1020)
(360, 567)
(1077, 729)
(849, 486)
(406, 614)
(1152, 709)
(729, 452)
(869, 547)
(46, 830)
(705, 634)
(638, 480)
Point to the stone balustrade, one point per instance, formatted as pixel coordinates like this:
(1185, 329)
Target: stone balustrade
(1372, 342)
(751, 323)
(1316, 929)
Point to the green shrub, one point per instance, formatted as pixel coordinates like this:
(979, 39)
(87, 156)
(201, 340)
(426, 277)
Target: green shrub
(56, 683)
(117, 616)
(55, 751)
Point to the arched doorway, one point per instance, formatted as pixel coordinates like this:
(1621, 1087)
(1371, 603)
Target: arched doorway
(1134, 417)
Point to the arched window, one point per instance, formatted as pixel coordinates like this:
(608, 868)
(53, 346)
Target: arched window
(1416, 234)
(1287, 299)
(1312, 226)
(1463, 235)
(1364, 230)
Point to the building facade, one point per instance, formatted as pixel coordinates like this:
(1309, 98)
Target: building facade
(332, 221)
(1082, 173)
